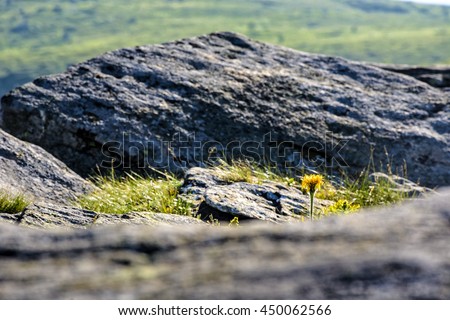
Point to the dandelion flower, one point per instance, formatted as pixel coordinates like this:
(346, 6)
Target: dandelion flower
(311, 183)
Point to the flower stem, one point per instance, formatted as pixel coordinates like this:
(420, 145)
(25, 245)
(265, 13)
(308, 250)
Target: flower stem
(311, 196)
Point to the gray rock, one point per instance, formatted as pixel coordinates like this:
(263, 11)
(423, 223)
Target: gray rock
(56, 216)
(400, 252)
(28, 169)
(48, 216)
(269, 201)
(143, 105)
(147, 218)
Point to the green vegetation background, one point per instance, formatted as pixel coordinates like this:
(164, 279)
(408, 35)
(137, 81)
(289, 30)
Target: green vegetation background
(45, 36)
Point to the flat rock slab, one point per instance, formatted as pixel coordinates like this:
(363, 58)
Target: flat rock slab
(51, 216)
(144, 105)
(29, 169)
(268, 201)
(400, 252)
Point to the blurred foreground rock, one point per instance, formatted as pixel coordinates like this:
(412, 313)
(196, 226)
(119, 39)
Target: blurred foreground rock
(400, 252)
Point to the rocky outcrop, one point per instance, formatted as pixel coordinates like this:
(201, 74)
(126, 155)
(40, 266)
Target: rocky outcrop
(57, 216)
(218, 199)
(436, 76)
(401, 252)
(28, 169)
(141, 106)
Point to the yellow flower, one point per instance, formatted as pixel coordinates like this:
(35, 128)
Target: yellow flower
(312, 182)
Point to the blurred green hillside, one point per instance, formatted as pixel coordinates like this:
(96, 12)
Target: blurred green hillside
(45, 36)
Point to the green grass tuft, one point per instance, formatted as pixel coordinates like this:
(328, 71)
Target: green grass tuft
(374, 187)
(136, 193)
(244, 171)
(236, 171)
(12, 203)
(371, 189)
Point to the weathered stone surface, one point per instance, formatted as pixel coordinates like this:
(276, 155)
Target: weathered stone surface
(401, 252)
(147, 218)
(436, 76)
(28, 169)
(225, 87)
(272, 202)
(52, 216)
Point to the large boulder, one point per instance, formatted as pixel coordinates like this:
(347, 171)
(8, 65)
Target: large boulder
(28, 169)
(142, 106)
(400, 252)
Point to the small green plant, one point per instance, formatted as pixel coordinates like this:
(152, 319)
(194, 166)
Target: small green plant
(136, 193)
(213, 221)
(311, 183)
(12, 203)
(342, 206)
(234, 222)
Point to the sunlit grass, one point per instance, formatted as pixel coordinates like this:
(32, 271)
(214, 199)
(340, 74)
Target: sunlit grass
(244, 171)
(369, 190)
(136, 193)
(10, 203)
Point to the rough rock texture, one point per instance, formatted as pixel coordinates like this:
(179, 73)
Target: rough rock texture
(436, 76)
(391, 253)
(272, 202)
(52, 216)
(226, 88)
(28, 169)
